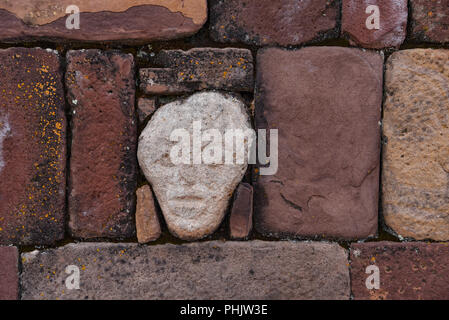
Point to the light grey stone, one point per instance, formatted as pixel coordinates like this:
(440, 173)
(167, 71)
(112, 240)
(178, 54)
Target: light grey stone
(206, 270)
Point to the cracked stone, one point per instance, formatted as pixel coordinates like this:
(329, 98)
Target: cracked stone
(326, 104)
(392, 23)
(430, 20)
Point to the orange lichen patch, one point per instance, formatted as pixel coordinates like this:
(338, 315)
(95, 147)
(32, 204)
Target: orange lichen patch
(378, 294)
(37, 100)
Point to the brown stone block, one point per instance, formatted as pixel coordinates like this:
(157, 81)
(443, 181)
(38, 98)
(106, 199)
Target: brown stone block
(406, 271)
(103, 163)
(32, 147)
(415, 154)
(361, 28)
(325, 103)
(268, 22)
(197, 69)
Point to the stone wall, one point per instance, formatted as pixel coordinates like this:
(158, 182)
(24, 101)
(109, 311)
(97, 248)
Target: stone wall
(352, 202)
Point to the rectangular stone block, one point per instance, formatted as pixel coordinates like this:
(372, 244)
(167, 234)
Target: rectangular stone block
(103, 164)
(430, 20)
(325, 103)
(32, 147)
(207, 270)
(375, 23)
(415, 167)
(118, 20)
(9, 273)
(197, 69)
(404, 271)
(268, 22)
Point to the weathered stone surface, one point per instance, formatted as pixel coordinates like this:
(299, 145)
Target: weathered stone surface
(416, 148)
(200, 68)
(32, 147)
(241, 220)
(407, 271)
(103, 166)
(208, 270)
(392, 28)
(267, 22)
(430, 20)
(146, 107)
(325, 102)
(194, 194)
(147, 222)
(9, 273)
(140, 20)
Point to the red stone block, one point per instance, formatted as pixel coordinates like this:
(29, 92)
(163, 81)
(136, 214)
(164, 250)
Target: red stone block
(407, 271)
(32, 147)
(197, 69)
(430, 20)
(325, 103)
(375, 23)
(103, 163)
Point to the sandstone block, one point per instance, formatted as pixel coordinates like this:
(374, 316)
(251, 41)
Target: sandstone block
(416, 144)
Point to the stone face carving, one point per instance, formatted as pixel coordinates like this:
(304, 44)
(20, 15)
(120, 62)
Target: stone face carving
(194, 194)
